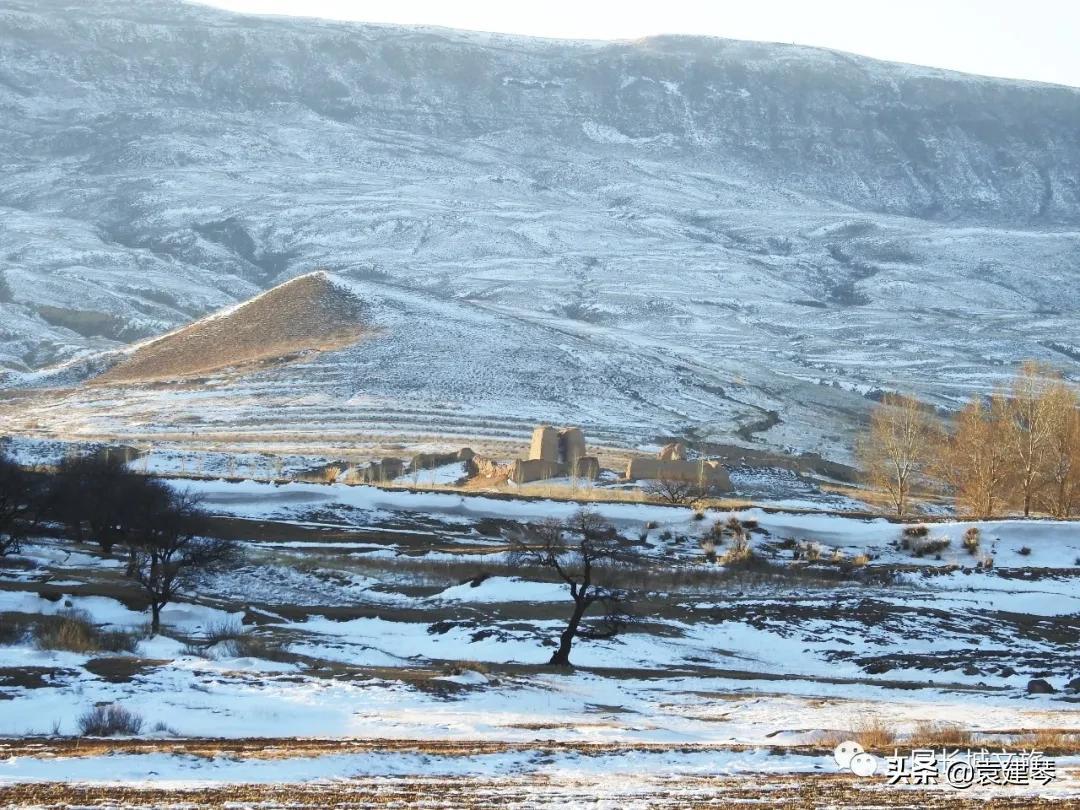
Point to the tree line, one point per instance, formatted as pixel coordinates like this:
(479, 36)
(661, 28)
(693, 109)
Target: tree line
(1016, 450)
(159, 529)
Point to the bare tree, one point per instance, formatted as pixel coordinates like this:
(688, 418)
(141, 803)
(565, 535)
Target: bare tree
(96, 495)
(583, 551)
(1029, 428)
(18, 505)
(1061, 493)
(975, 458)
(166, 549)
(898, 447)
(676, 491)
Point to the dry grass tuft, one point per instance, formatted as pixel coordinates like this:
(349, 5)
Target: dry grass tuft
(74, 631)
(873, 734)
(461, 667)
(739, 552)
(1050, 741)
(935, 734)
(224, 630)
(253, 646)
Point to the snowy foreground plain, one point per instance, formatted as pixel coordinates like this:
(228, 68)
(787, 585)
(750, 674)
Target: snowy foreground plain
(387, 670)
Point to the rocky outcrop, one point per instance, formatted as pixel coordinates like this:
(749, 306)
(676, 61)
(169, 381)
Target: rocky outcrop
(1039, 686)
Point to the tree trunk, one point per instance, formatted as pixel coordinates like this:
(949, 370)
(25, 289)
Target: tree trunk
(155, 618)
(561, 656)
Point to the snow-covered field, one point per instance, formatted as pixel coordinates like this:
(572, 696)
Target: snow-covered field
(387, 615)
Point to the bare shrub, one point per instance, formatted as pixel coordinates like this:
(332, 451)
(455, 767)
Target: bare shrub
(676, 491)
(971, 540)
(252, 646)
(739, 552)
(13, 628)
(119, 641)
(111, 720)
(225, 630)
(716, 532)
(928, 546)
(859, 560)
(708, 547)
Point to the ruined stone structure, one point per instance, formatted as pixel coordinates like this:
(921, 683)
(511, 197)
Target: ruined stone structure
(705, 471)
(429, 461)
(522, 471)
(554, 453)
(487, 467)
(676, 451)
(378, 472)
(545, 444)
(571, 446)
(587, 468)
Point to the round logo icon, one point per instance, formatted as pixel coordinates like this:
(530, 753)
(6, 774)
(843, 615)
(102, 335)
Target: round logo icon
(845, 751)
(863, 764)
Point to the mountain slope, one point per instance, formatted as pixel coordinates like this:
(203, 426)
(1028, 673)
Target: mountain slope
(305, 314)
(670, 235)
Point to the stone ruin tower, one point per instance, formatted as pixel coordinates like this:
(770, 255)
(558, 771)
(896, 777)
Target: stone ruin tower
(555, 452)
(545, 444)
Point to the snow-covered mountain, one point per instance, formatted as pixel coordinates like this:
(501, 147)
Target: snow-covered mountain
(643, 237)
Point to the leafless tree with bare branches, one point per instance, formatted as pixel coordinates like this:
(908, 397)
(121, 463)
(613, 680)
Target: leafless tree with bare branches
(166, 547)
(18, 504)
(898, 447)
(1029, 428)
(975, 460)
(584, 551)
(1060, 495)
(676, 491)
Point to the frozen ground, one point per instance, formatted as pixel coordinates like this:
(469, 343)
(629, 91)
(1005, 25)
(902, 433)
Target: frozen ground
(394, 616)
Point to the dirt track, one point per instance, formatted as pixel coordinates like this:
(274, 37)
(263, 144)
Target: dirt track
(528, 792)
(787, 792)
